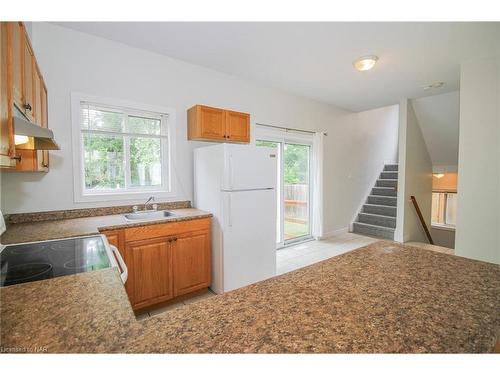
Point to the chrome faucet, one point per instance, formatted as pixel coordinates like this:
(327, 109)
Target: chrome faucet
(150, 199)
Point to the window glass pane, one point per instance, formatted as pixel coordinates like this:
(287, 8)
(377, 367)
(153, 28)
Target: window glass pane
(296, 190)
(145, 161)
(438, 200)
(103, 162)
(451, 209)
(96, 119)
(143, 125)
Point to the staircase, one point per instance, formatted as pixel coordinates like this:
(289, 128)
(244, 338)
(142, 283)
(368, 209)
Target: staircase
(378, 215)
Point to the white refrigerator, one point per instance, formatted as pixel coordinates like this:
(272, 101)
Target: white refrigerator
(237, 184)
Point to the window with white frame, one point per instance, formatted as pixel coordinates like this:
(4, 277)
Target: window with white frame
(123, 149)
(444, 208)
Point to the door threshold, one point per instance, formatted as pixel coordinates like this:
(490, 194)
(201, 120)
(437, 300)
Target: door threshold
(297, 242)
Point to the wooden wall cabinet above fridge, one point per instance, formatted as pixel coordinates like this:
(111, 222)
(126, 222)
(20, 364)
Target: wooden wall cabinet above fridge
(24, 93)
(218, 125)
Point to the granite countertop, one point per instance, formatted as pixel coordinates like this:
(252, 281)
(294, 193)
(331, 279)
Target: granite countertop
(381, 298)
(52, 229)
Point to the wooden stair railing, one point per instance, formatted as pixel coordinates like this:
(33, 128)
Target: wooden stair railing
(422, 221)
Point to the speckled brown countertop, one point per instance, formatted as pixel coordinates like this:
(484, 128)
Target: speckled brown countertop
(51, 229)
(381, 298)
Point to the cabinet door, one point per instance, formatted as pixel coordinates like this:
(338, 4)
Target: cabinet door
(150, 272)
(28, 84)
(6, 131)
(238, 126)
(212, 124)
(39, 97)
(191, 262)
(44, 162)
(17, 42)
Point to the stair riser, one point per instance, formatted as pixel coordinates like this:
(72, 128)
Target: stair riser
(389, 222)
(380, 210)
(389, 175)
(391, 167)
(384, 192)
(386, 183)
(386, 201)
(375, 232)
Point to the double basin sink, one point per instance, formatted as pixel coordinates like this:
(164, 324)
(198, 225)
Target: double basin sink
(148, 215)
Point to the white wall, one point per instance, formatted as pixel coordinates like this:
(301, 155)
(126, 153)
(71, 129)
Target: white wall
(443, 236)
(438, 116)
(478, 223)
(372, 142)
(73, 61)
(415, 177)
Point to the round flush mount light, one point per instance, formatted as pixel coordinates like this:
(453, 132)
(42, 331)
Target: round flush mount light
(434, 85)
(439, 175)
(365, 63)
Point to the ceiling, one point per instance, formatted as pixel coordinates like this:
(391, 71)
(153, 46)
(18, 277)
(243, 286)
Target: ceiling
(315, 59)
(438, 117)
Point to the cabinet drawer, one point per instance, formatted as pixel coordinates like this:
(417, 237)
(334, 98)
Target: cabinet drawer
(167, 229)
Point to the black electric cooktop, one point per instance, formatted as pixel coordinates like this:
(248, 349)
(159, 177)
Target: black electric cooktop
(24, 263)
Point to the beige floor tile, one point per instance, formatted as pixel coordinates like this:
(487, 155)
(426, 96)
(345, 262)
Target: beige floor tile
(199, 297)
(162, 309)
(142, 316)
(302, 255)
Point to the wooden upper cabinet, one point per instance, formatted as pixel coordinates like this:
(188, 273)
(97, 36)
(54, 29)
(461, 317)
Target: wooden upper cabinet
(22, 86)
(191, 262)
(16, 30)
(149, 266)
(218, 125)
(6, 126)
(28, 80)
(238, 126)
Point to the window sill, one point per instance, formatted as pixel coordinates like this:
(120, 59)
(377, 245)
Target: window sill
(443, 227)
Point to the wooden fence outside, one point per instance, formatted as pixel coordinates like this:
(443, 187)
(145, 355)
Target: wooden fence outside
(296, 203)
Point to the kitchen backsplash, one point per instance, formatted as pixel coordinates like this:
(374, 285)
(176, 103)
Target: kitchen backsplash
(85, 212)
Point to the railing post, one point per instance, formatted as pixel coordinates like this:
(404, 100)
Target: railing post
(422, 221)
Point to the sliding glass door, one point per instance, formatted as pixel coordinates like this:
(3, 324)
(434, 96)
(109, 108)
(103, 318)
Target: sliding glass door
(293, 187)
(296, 191)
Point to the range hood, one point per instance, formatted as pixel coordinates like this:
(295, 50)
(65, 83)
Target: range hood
(32, 137)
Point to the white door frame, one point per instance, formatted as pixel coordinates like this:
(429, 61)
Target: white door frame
(282, 137)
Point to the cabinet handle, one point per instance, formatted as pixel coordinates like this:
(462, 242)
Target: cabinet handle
(28, 106)
(17, 157)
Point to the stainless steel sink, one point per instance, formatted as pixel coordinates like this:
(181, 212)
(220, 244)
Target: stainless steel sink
(148, 215)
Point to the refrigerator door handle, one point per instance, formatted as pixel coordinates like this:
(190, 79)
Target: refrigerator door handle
(231, 177)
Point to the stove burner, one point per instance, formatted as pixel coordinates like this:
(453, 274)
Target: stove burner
(27, 272)
(81, 263)
(60, 246)
(28, 249)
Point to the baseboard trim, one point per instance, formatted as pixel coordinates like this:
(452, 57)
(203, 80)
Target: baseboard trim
(334, 233)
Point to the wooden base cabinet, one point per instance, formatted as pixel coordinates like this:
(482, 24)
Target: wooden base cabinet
(191, 259)
(150, 271)
(164, 261)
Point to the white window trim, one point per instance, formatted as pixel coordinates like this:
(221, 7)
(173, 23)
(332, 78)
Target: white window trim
(168, 153)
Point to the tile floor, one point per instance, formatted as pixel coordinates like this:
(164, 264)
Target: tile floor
(289, 259)
(176, 305)
(307, 253)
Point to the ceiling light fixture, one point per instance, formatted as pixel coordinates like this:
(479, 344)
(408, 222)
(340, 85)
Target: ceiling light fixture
(435, 85)
(439, 175)
(365, 63)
